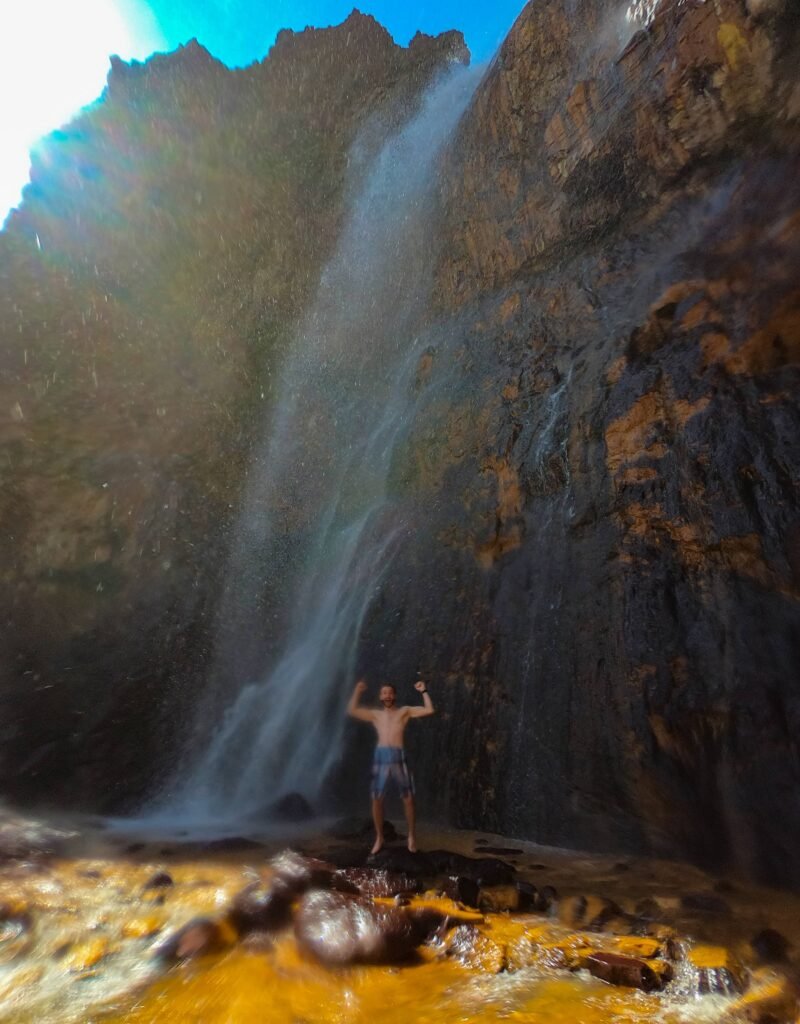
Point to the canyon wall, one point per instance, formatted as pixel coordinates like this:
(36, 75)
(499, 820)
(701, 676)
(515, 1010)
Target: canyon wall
(607, 587)
(169, 239)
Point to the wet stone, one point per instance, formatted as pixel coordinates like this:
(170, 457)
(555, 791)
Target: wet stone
(377, 881)
(618, 969)
(199, 936)
(338, 929)
(141, 928)
(529, 897)
(484, 870)
(260, 907)
(298, 873)
(592, 913)
(160, 880)
(498, 899)
(770, 946)
(86, 955)
(717, 971)
(479, 952)
(771, 999)
(462, 890)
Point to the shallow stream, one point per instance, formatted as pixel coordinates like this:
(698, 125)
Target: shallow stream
(81, 930)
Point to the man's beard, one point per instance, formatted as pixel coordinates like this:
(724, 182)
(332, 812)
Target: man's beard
(388, 703)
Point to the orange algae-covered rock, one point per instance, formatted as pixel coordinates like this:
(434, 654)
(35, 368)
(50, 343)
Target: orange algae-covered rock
(86, 955)
(499, 898)
(549, 945)
(631, 945)
(141, 927)
(476, 950)
(718, 970)
(771, 999)
(443, 905)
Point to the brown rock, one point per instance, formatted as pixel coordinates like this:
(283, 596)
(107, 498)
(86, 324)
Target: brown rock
(198, 937)
(617, 969)
(499, 898)
(338, 929)
(261, 907)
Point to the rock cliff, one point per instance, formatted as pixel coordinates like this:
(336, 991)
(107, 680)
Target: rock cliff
(170, 237)
(612, 492)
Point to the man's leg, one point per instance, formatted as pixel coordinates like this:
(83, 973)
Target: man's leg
(408, 807)
(377, 817)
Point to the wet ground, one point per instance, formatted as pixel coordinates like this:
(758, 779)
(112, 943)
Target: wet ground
(85, 909)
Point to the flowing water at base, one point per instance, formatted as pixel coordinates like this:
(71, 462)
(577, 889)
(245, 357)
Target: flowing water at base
(79, 932)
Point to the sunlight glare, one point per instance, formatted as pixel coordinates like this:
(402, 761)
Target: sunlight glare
(54, 58)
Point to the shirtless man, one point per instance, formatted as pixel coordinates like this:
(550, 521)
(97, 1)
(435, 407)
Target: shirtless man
(390, 758)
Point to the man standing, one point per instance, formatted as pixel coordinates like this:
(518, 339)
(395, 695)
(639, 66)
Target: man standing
(390, 758)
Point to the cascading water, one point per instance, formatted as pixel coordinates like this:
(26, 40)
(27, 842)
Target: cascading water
(345, 400)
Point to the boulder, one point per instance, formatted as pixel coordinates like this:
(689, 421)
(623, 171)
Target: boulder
(617, 969)
(298, 873)
(160, 880)
(461, 889)
(291, 807)
(264, 908)
(717, 971)
(497, 899)
(770, 946)
(199, 936)
(338, 929)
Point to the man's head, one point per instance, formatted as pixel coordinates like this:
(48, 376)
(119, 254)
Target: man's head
(388, 695)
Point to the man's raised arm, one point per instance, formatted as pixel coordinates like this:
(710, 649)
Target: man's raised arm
(362, 714)
(427, 708)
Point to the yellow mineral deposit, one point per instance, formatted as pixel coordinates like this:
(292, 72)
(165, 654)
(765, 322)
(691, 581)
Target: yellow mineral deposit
(92, 930)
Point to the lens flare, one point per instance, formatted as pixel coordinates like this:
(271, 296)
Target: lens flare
(53, 61)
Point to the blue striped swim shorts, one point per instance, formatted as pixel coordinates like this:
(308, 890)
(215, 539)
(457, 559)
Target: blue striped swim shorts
(390, 764)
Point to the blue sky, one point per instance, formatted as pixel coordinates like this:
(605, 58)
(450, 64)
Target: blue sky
(54, 54)
(240, 31)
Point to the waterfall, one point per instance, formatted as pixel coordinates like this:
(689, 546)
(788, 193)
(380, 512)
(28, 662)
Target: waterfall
(318, 526)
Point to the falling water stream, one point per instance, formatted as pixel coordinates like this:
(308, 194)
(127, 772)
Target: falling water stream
(317, 524)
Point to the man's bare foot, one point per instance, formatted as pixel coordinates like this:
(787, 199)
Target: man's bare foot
(412, 843)
(378, 845)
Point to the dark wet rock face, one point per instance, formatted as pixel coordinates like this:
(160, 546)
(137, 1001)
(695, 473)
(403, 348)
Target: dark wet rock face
(338, 930)
(611, 489)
